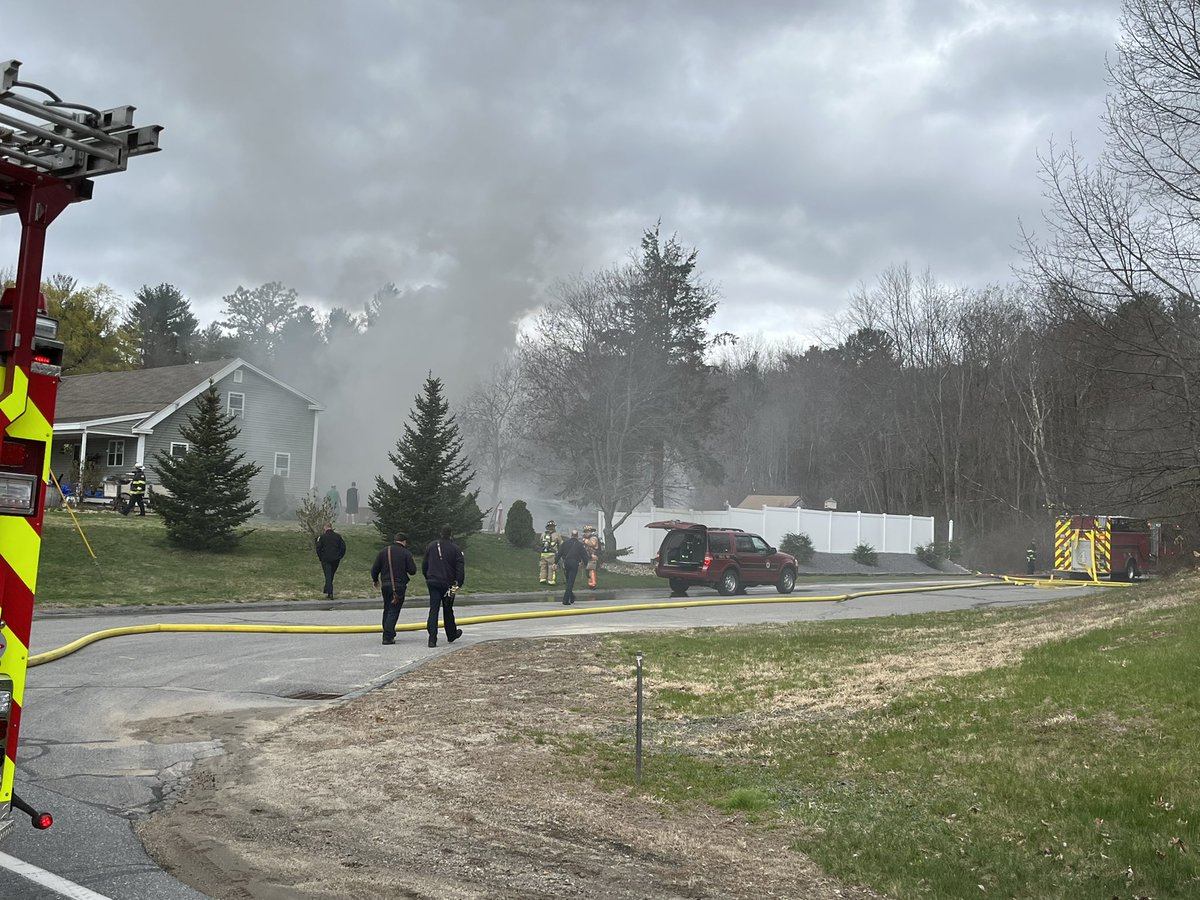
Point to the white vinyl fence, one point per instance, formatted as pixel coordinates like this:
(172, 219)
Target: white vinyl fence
(831, 532)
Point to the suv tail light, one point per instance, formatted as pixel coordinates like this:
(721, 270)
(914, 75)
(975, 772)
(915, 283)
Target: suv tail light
(707, 560)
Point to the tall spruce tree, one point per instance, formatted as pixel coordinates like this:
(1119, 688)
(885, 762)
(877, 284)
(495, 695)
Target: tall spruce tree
(430, 487)
(209, 485)
(162, 319)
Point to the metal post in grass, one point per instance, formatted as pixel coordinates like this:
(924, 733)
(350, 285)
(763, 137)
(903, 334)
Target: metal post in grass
(638, 732)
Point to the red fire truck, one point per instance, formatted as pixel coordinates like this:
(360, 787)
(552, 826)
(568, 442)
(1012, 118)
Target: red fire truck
(1117, 547)
(49, 152)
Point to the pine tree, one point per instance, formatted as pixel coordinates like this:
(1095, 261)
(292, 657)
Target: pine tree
(162, 319)
(209, 485)
(430, 487)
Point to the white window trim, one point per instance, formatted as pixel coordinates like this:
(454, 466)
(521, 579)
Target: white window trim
(229, 409)
(287, 469)
(118, 445)
(184, 444)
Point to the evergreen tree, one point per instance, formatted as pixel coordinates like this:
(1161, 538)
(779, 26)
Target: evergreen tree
(518, 528)
(162, 319)
(209, 485)
(275, 505)
(430, 487)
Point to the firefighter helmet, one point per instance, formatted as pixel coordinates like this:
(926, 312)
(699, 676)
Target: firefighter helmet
(550, 526)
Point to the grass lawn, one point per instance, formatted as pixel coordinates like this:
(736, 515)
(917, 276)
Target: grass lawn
(1048, 751)
(275, 562)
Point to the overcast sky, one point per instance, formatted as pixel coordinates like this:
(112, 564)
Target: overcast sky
(487, 148)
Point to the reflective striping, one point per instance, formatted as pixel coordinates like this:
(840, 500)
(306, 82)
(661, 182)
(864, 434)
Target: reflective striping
(21, 547)
(13, 404)
(14, 662)
(61, 886)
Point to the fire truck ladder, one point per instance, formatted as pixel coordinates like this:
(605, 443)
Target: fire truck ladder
(49, 152)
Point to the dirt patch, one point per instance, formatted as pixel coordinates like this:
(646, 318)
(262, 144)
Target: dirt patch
(445, 784)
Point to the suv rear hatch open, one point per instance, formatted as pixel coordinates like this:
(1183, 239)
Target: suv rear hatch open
(685, 544)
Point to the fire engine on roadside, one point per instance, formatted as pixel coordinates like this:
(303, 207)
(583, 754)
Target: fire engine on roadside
(1121, 548)
(49, 152)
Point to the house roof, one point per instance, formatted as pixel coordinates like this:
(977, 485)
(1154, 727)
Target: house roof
(107, 395)
(146, 395)
(758, 501)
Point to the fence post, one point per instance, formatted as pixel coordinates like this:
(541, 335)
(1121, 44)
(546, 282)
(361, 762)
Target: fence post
(883, 549)
(638, 739)
(829, 537)
(858, 528)
(910, 532)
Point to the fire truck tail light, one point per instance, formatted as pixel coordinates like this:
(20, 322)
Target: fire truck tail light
(42, 821)
(13, 455)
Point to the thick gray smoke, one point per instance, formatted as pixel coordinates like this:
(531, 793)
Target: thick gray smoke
(470, 152)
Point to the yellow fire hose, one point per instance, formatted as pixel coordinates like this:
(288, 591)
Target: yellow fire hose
(75, 519)
(67, 649)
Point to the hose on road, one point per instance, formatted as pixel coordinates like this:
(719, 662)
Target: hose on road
(158, 628)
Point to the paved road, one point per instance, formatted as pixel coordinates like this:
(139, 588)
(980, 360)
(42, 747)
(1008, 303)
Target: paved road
(83, 757)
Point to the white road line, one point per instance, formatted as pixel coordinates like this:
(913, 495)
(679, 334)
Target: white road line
(59, 885)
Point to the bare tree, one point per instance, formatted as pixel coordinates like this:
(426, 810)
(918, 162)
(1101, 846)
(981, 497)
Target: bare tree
(1118, 265)
(492, 425)
(591, 405)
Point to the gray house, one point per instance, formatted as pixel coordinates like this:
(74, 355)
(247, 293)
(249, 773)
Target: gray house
(119, 419)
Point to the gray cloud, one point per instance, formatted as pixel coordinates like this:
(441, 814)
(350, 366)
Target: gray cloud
(472, 152)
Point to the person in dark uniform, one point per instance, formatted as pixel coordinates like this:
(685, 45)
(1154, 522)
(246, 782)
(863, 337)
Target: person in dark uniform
(352, 501)
(1031, 558)
(330, 550)
(444, 569)
(572, 554)
(393, 564)
(137, 492)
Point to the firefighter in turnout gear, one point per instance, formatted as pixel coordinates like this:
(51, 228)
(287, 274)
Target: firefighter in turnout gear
(549, 543)
(137, 492)
(591, 542)
(1031, 558)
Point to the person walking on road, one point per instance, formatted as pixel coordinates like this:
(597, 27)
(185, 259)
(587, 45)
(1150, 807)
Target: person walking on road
(352, 502)
(444, 569)
(394, 565)
(573, 554)
(330, 550)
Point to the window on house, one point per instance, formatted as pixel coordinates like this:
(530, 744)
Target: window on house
(283, 464)
(237, 404)
(116, 453)
(237, 377)
(179, 449)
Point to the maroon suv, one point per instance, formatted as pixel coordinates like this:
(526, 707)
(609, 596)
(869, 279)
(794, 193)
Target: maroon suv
(727, 559)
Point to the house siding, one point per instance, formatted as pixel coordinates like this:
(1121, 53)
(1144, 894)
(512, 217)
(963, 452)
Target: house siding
(275, 421)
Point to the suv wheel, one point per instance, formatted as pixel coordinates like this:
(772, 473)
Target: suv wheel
(787, 581)
(730, 583)
(678, 587)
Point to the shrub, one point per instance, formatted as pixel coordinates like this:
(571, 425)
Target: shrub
(799, 546)
(518, 528)
(275, 505)
(865, 554)
(928, 554)
(313, 512)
